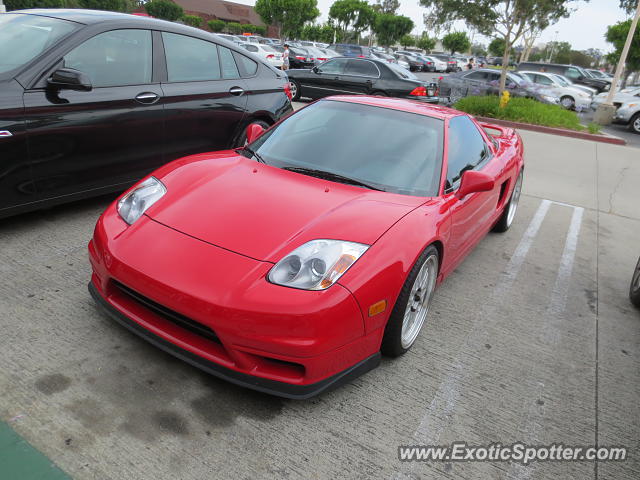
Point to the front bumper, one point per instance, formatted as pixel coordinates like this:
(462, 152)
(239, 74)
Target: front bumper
(215, 309)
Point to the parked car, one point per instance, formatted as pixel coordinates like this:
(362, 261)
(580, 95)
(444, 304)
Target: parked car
(91, 101)
(634, 289)
(363, 76)
(572, 72)
(438, 64)
(298, 56)
(452, 63)
(486, 81)
(566, 82)
(570, 97)
(355, 234)
(415, 64)
(629, 114)
(598, 74)
(620, 97)
(269, 41)
(383, 56)
(429, 65)
(265, 52)
(230, 38)
(350, 50)
(317, 55)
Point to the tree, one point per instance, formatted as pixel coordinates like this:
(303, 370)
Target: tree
(193, 20)
(260, 30)
(287, 15)
(390, 28)
(407, 41)
(247, 28)
(617, 35)
(234, 27)
(164, 9)
(425, 43)
(110, 5)
(217, 25)
(629, 6)
(311, 33)
(24, 4)
(496, 47)
(478, 50)
(386, 6)
(356, 14)
(456, 42)
(506, 19)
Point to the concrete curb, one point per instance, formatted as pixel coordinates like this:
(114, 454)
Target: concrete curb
(555, 131)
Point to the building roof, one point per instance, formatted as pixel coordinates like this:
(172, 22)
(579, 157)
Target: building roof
(234, 12)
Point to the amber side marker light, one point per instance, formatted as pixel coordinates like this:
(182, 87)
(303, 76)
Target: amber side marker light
(377, 308)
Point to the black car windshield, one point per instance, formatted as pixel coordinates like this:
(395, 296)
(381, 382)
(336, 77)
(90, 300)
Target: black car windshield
(24, 37)
(388, 149)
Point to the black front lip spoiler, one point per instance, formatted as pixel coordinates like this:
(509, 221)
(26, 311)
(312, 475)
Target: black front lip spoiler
(272, 387)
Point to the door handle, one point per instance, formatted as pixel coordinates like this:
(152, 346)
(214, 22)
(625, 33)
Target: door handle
(147, 98)
(336, 78)
(237, 91)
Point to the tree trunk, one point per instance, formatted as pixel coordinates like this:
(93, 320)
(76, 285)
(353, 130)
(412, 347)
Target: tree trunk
(505, 64)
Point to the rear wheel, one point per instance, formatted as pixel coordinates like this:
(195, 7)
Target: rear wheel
(295, 90)
(241, 141)
(634, 124)
(380, 93)
(568, 102)
(634, 291)
(509, 212)
(412, 306)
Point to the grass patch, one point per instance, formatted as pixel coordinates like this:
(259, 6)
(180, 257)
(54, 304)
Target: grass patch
(524, 110)
(593, 128)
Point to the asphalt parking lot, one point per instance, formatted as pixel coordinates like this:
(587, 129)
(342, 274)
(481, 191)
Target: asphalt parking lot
(532, 339)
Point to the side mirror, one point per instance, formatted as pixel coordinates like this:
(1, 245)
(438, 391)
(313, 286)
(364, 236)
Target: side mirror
(253, 132)
(70, 79)
(473, 181)
(511, 85)
(316, 70)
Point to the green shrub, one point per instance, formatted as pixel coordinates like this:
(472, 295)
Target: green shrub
(24, 4)
(593, 128)
(217, 25)
(260, 30)
(164, 9)
(234, 27)
(192, 20)
(525, 110)
(247, 28)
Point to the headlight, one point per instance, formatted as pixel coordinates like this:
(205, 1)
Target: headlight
(137, 201)
(317, 264)
(550, 99)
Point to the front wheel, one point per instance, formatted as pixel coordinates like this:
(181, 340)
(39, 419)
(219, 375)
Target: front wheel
(634, 290)
(509, 213)
(568, 102)
(634, 124)
(295, 90)
(412, 306)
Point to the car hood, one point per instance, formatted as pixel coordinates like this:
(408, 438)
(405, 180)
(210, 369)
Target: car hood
(263, 212)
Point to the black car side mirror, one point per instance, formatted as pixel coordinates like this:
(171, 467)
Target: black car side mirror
(70, 79)
(316, 70)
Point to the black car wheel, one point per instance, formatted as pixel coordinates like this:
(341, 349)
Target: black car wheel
(568, 102)
(634, 291)
(241, 139)
(634, 124)
(380, 93)
(295, 90)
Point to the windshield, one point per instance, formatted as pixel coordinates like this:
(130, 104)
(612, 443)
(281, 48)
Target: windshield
(391, 150)
(401, 71)
(24, 37)
(562, 80)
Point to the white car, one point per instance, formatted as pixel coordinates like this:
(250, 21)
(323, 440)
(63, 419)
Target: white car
(622, 96)
(439, 65)
(570, 97)
(567, 82)
(266, 52)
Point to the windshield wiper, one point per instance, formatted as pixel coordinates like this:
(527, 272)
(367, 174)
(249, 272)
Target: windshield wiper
(332, 176)
(257, 156)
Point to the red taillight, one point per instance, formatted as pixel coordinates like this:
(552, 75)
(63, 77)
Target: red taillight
(419, 92)
(270, 56)
(300, 58)
(361, 56)
(287, 90)
(321, 59)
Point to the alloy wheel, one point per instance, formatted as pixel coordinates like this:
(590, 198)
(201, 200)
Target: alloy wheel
(513, 202)
(419, 301)
(294, 89)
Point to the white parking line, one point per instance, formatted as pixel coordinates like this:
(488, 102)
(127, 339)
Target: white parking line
(442, 407)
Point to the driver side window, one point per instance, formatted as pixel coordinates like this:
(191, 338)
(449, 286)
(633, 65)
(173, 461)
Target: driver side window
(467, 150)
(334, 67)
(115, 58)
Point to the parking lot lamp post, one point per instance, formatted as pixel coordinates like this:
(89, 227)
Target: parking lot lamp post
(606, 110)
(3, 9)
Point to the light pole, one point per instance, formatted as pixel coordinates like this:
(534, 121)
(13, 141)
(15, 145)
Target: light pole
(606, 110)
(3, 9)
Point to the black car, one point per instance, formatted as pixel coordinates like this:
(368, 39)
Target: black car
(298, 57)
(92, 101)
(351, 50)
(452, 64)
(415, 65)
(362, 76)
(572, 72)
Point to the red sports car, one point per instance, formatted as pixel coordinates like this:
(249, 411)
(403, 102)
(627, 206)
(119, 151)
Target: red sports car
(291, 264)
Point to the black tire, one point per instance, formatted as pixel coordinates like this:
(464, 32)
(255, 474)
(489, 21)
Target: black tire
(380, 93)
(634, 289)
(505, 221)
(634, 123)
(568, 102)
(392, 341)
(297, 93)
(241, 139)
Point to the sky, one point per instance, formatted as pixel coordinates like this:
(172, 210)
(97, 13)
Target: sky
(584, 29)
